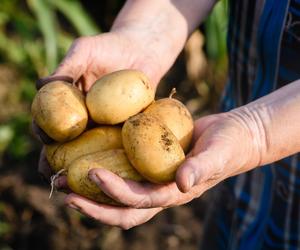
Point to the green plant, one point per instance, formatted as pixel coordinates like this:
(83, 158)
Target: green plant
(34, 37)
(216, 50)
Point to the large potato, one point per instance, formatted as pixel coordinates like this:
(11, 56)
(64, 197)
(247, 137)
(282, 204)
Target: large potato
(176, 117)
(114, 160)
(60, 155)
(152, 148)
(59, 109)
(119, 95)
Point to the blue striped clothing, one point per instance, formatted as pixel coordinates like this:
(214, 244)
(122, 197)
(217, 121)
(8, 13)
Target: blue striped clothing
(259, 209)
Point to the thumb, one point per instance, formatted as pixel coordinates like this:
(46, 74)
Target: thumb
(203, 167)
(70, 69)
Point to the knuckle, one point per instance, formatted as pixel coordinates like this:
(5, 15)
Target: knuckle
(78, 40)
(124, 226)
(81, 40)
(144, 202)
(128, 223)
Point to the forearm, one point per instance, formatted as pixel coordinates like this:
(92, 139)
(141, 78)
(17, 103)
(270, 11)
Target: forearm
(163, 26)
(274, 124)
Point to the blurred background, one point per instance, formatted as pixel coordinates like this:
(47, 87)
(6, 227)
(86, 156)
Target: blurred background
(34, 37)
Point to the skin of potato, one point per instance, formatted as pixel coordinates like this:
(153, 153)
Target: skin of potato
(114, 160)
(176, 117)
(119, 95)
(60, 155)
(59, 109)
(152, 148)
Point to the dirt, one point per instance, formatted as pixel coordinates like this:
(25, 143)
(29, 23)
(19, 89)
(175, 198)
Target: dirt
(35, 222)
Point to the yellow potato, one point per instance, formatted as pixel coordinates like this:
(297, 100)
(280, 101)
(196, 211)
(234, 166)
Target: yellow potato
(59, 109)
(60, 155)
(176, 117)
(114, 160)
(152, 148)
(119, 95)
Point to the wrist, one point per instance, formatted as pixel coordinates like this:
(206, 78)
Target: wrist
(152, 38)
(161, 27)
(252, 138)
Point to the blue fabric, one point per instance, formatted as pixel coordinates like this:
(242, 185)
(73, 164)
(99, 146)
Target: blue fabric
(259, 209)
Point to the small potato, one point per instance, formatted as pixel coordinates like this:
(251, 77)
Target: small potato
(60, 155)
(59, 109)
(176, 117)
(119, 95)
(114, 160)
(152, 148)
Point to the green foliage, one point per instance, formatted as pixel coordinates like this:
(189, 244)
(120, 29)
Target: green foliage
(36, 34)
(216, 31)
(20, 143)
(6, 135)
(216, 49)
(34, 37)
(4, 226)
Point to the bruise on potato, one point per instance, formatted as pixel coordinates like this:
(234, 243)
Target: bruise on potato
(152, 148)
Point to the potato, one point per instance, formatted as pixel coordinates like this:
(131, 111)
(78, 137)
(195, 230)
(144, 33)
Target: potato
(60, 155)
(176, 117)
(59, 109)
(152, 148)
(114, 160)
(119, 95)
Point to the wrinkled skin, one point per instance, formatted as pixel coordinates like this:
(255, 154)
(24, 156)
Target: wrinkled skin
(212, 159)
(225, 144)
(88, 59)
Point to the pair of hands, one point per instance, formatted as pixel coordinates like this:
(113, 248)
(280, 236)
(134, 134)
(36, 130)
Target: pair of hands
(222, 143)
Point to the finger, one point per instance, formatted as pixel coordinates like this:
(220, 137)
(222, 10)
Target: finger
(123, 217)
(61, 183)
(44, 168)
(135, 194)
(204, 167)
(45, 80)
(202, 124)
(40, 134)
(76, 61)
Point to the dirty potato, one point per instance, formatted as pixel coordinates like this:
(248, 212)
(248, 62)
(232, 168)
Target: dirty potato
(59, 109)
(176, 117)
(114, 160)
(152, 148)
(60, 155)
(119, 95)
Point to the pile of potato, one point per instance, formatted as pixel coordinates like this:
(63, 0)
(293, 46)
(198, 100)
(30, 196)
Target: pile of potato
(136, 137)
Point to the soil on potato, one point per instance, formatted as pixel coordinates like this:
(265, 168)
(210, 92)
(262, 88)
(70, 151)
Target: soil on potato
(30, 221)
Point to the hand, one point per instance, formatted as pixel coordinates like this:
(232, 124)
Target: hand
(91, 57)
(223, 147)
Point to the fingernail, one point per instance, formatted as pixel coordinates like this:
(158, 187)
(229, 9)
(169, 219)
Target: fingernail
(71, 205)
(45, 138)
(41, 134)
(94, 178)
(57, 183)
(43, 81)
(191, 180)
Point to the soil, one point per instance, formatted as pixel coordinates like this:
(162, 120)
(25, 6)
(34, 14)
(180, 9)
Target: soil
(37, 222)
